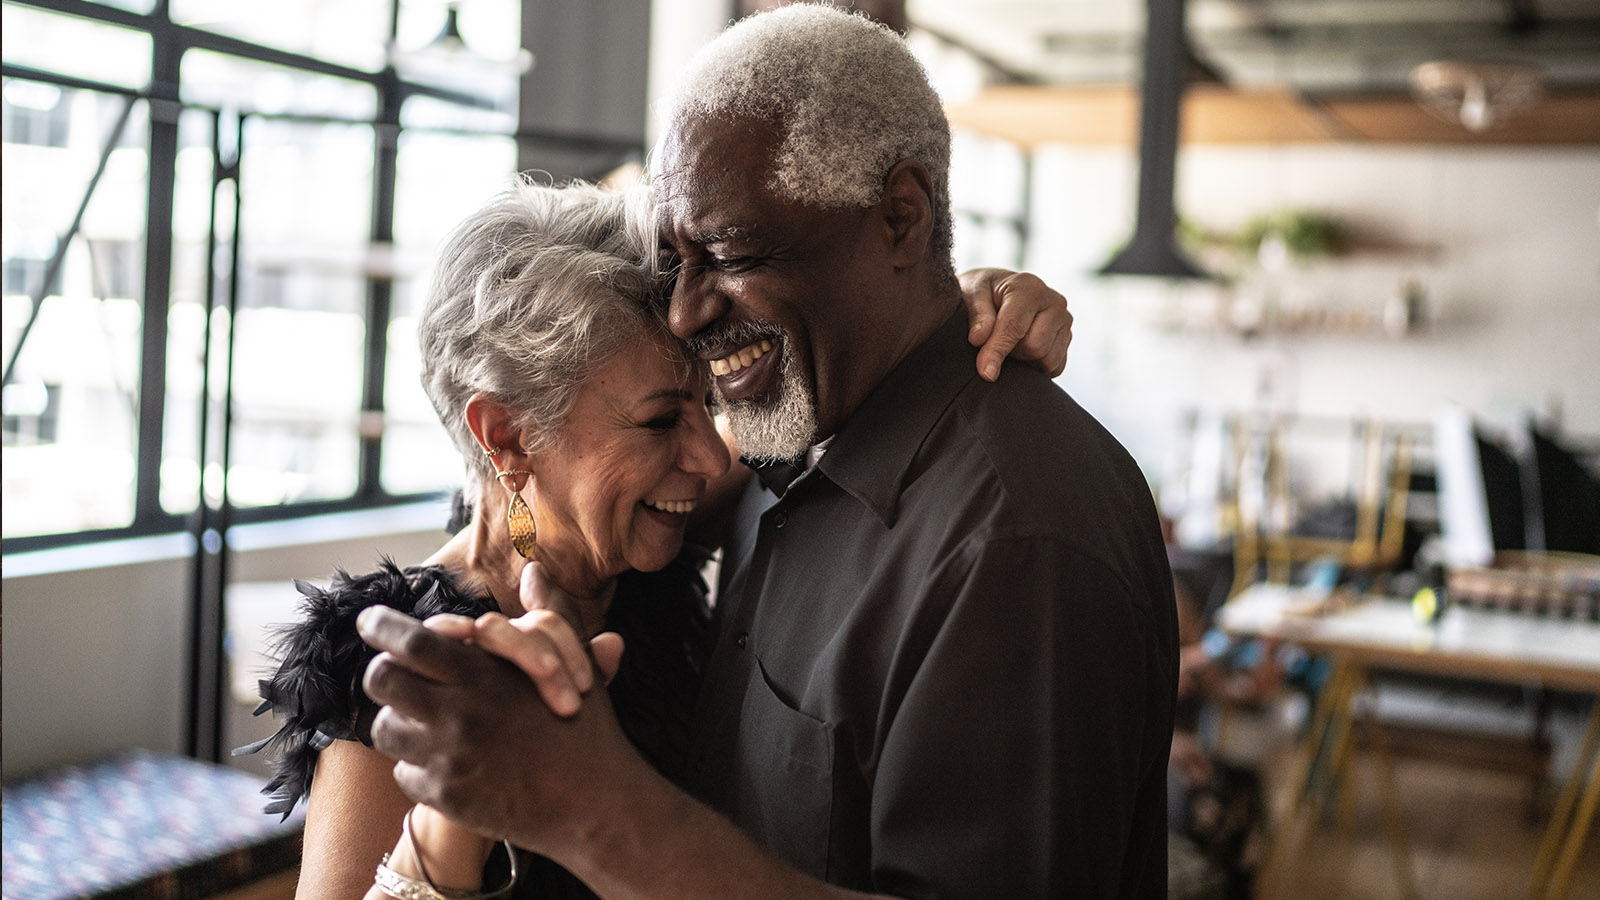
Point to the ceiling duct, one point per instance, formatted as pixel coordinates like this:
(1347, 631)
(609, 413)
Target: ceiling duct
(1154, 250)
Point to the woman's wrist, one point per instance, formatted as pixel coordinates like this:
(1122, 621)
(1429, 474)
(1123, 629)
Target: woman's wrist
(452, 856)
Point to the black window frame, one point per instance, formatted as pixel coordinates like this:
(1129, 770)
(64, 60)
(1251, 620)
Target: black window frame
(209, 522)
(169, 42)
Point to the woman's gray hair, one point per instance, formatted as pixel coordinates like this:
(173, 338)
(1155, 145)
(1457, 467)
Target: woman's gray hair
(532, 294)
(848, 96)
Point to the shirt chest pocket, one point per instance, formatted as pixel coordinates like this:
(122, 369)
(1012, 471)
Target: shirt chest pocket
(785, 777)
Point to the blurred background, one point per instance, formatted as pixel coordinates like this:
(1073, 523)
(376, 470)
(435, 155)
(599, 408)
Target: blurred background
(1335, 273)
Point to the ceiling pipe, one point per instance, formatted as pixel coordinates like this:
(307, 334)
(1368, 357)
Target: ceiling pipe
(1154, 250)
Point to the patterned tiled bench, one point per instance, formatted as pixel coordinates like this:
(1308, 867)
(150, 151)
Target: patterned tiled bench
(140, 826)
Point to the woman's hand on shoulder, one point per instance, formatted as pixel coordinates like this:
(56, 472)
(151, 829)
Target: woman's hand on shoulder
(1016, 314)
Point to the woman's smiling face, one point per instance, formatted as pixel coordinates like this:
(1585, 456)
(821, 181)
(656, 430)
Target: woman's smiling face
(633, 458)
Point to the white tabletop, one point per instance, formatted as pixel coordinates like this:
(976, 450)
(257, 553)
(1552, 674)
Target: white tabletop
(1384, 631)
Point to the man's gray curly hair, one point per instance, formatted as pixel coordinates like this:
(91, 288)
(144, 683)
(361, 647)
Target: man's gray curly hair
(848, 96)
(532, 295)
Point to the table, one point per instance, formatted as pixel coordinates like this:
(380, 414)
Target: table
(1375, 633)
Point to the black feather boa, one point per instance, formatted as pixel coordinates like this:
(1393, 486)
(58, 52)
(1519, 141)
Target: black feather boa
(317, 688)
(662, 616)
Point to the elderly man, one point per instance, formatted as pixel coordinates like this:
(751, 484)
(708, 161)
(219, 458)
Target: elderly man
(945, 659)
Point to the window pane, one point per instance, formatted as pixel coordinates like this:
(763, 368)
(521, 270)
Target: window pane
(441, 179)
(180, 446)
(347, 32)
(299, 337)
(220, 80)
(72, 407)
(428, 112)
(70, 46)
(138, 6)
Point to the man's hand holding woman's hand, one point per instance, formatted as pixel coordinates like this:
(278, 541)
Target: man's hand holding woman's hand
(475, 739)
(542, 643)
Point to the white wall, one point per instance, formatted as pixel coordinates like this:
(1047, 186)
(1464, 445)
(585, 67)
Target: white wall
(1505, 241)
(93, 662)
(94, 637)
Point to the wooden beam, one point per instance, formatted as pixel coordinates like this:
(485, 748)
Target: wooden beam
(1108, 115)
(1052, 115)
(1232, 117)
(1557, 119)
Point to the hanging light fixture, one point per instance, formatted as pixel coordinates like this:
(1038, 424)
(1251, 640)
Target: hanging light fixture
(1477, 95)
(1153, 250)
(449, 39)
(448, 58)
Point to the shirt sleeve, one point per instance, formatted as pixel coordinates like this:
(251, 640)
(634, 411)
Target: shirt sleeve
(1027, 756)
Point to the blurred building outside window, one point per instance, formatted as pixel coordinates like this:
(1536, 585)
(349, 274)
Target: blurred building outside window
(308, 152)
(441, 179)
(70, 442)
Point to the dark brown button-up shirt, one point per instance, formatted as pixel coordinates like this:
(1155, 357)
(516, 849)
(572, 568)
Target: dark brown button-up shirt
(946, 658)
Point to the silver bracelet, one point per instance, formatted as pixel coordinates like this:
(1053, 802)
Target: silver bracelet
(404, 887)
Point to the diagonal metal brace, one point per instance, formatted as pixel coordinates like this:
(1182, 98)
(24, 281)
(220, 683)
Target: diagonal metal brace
(53, 267)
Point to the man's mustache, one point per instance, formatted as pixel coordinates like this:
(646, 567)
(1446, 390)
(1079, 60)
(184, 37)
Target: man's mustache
(725, 335)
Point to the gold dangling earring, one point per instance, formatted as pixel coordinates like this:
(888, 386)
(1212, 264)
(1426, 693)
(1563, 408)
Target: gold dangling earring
(524, 533)
(519, 518)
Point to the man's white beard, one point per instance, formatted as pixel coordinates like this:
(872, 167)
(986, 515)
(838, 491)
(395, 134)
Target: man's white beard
(780, 427)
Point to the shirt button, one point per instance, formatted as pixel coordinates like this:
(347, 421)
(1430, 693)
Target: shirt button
(743, 640)
(780, 519)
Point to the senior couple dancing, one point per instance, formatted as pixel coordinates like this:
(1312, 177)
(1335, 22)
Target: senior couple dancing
(941, 657)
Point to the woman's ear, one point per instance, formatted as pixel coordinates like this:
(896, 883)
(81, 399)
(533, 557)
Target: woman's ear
(497, 432)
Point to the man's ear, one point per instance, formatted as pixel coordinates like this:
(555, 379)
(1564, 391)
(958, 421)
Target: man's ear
(907, 206)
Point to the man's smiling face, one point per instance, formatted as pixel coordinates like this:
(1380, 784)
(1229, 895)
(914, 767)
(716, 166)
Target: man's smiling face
(776, 296)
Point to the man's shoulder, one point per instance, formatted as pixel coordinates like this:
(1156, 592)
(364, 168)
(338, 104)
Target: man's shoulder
(1019, 458)
(938, 444)
(1038, 442)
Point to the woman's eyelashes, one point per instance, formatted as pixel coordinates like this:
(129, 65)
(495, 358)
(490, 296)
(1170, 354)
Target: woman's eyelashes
(673, 420)
(664, 423)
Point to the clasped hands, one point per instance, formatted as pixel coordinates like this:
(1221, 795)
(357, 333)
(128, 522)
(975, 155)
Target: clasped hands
(496, 721)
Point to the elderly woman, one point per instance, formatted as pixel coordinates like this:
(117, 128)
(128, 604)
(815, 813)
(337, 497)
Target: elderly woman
(588, 447)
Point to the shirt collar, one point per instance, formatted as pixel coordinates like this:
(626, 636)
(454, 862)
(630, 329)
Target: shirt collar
(778, 475)
(870, 455)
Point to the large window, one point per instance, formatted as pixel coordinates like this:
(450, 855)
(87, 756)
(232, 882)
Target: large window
(235, 303)
(71, 400)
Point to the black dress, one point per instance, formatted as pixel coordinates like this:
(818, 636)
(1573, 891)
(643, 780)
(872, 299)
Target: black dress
(662, 617)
